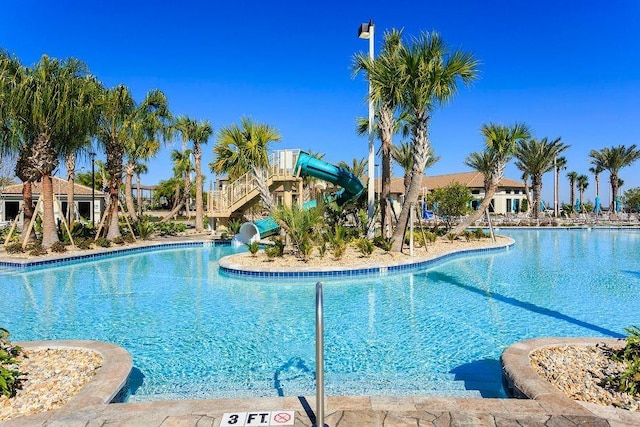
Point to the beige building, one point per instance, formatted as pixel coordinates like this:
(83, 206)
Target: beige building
(11, 201)
(508, 197)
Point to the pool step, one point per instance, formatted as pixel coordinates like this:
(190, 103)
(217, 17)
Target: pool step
(440, 385)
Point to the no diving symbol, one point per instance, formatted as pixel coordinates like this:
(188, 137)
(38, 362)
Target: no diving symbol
(281, 417)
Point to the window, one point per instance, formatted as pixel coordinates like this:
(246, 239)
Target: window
(84, 209)
(11, 209)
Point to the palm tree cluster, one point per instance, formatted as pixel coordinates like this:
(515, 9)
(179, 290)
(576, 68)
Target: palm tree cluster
(56, 110)
(408, 81)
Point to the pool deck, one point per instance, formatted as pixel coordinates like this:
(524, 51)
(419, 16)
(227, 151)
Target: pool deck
(546, 407)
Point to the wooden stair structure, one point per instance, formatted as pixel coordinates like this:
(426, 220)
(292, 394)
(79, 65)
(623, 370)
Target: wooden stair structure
(242, 193)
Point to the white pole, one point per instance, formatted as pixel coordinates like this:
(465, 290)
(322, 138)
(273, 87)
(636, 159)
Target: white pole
(319, 358)
(555, 188)
(371, 162)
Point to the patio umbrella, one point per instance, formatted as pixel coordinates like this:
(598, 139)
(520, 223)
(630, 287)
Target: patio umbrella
(542, 206)
(618, 204)
(514, 205)
(597, 206)
(577, 206)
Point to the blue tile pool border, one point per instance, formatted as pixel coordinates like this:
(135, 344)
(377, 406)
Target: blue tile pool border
(109, 253)
(287, 273)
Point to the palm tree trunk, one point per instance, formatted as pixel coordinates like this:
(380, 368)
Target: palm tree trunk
(614, 192)
(420, 151)
(199, 210)
(138, 194)
(128, 193)
(386, 125)
(477, 214)
(180, 204)
(527, 193)
(71, 176)
(114, 228)
(29, 209)
(49, 230)
(536, 182)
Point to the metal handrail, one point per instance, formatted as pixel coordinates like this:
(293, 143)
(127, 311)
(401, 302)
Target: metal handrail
(319, 358)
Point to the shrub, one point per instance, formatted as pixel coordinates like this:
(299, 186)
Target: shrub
(629, 380)
(103, 242)
(145, 228)
(234, 226)
(128, 238)
(365, 246)
(383, 243)
(452, 236)
(58, 247)
(479, 233)
(36, 249)
(83, 243)
(10, 377)
(468, 235)
(338, 248)
(305, 247)
(277, 250)
(322, 249)
(118, 240)
(14, 248)
(253, 247)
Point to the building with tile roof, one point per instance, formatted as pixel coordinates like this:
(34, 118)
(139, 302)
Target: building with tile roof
(11, 201)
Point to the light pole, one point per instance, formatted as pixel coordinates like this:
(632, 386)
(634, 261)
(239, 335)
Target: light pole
(366, 31)
(93, 188)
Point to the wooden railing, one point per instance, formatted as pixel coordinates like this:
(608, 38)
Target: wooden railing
(241, 191)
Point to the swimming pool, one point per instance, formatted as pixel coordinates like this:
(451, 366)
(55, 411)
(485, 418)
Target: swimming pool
(196, 334)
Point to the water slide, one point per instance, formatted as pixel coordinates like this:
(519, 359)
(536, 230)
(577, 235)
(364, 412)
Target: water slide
(307, 165)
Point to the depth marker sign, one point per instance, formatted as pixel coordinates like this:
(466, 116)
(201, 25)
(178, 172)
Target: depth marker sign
(264, 418)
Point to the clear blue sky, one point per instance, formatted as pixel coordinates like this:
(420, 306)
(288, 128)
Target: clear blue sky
(568, 69)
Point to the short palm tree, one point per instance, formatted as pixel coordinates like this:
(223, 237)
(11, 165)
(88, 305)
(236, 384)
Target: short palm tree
(430, 75)
(536, 157)
(613, 159)
(572, 177)
(384, 75)
(240, 148)
(500, 144)
(596, 171)
(582, 182)
(358, 167)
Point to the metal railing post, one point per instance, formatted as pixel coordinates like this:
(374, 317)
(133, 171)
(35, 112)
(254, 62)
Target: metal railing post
(319, 358)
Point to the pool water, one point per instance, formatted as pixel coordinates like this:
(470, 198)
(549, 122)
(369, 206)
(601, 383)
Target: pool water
(194, 333)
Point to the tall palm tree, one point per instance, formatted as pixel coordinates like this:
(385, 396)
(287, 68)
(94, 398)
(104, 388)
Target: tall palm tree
(430, 76)
(536, 157)
(139, 170)
(582, 181)
(201, 135)
(185, 126)
(500, 144)
(560, 165)
(181, 166)
(403, 156)
(54, 108)
(384, 74)
(596, 171)
(138, 150)
(572, 176)
(121, 120)
(613, 159)
(240, 148)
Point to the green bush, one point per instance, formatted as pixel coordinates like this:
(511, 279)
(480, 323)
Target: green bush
(58, 247)
(118, 240)
(480, 234)
(145, 228)
(14, 248)
(103, 242)
(338, 248)
(322, 249)
(365, 246)
(254, 247)
(10, 376)
(629, 380)
(83, 243)
(277, 250)
(36, 249)
(452, 236)
(383, 243)
(234, 225)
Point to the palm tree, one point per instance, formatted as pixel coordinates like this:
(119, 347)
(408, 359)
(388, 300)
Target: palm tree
(186, 127)
(596, 171)
(613, 159)
(404, 158)
(582, 182)
(527, 189)
(138, 150)
(53, 108)
(383, 74)
(430, 77)
(536, 157)
(139, 170)
(561, 164)
(181, 166)
(357, 167)
(500, 145)
(122, 119)
(240, 148)
(572, 176)
(200, 136)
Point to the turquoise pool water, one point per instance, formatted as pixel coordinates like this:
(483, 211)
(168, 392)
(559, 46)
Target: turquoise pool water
(196, 334)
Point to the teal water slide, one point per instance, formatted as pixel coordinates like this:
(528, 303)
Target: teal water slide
(307, 165)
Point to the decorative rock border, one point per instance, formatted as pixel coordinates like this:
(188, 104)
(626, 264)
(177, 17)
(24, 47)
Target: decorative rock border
(522, 381)
(102, 389)
(228, 266)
